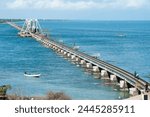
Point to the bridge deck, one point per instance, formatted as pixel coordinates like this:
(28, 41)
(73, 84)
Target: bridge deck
(130, 78)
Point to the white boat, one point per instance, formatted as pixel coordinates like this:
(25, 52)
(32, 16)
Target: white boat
(32, 75)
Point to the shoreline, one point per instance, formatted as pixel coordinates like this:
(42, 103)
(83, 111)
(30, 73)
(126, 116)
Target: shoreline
(49, 96)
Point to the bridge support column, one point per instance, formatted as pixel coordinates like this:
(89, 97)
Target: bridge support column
(49, 45)
(58, 50)
(73, 57)
(96, 69)
(123, 84)
(96, 72)
(61, 51)
(104, 74)
(113, 78)
(89, 66)
(65, 53)
(55, 48)
(68, 55)
(133, 91)
(45, 45)
(83, 63)
(77, 60)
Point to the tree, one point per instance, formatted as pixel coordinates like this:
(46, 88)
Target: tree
(3, 89)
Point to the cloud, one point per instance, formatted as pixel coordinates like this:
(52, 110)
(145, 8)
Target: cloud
(76, 4)
(136, 3)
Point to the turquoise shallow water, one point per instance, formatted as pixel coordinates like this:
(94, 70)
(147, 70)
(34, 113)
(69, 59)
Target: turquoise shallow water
(125, 44)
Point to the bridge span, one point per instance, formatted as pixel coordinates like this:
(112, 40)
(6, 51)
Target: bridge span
(126, 80)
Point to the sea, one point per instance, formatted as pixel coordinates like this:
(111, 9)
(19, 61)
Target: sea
(125, 44)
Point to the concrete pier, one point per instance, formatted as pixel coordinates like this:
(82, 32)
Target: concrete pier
(96, 69)
(113, 78)
(68, 55)
(73, 57)
(89, 66)
(54, 47)
(77, 59)
(133, 91)
(65, 53)
(59, 50)
(62, 51)
(104, 74)
(123, 84)
(83, 63)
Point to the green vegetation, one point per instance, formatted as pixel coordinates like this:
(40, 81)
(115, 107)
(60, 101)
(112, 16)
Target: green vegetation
(3, 89)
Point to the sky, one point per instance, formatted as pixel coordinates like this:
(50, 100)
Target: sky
(76, 9)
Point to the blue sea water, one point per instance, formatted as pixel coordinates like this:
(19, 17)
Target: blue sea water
(123, 43)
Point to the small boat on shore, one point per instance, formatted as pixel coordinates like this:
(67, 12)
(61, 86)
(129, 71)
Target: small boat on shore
(31, 75)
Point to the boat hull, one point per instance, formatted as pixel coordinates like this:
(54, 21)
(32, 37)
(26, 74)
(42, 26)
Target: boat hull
(32, 75)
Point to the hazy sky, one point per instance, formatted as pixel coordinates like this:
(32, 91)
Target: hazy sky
(76, 9)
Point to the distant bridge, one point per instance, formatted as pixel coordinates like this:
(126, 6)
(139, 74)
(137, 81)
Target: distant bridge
(135, 85)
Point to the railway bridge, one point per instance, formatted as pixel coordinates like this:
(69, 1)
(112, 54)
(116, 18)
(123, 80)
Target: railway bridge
(126, 80)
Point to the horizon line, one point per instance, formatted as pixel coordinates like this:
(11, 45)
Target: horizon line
(77, 19)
